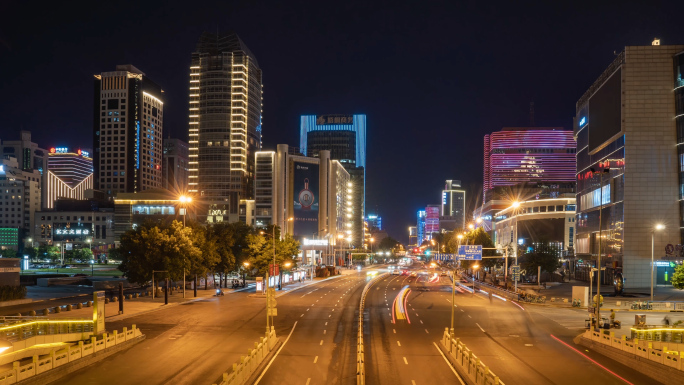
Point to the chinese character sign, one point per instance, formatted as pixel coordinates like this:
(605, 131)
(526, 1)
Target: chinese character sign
(470, 252)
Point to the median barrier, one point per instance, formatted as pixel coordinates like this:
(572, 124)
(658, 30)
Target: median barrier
(467, 362)
(241, 371)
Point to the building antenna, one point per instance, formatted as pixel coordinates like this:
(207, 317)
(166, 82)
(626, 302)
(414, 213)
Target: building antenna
(531, 114)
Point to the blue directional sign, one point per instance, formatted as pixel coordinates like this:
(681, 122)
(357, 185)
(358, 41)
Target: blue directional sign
(444, 257)
(470, 252)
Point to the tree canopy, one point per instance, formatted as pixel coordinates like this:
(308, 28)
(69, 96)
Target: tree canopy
(259, 249)
(678, 277)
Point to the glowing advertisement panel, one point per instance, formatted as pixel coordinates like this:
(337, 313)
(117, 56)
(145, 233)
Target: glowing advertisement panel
(306, 199)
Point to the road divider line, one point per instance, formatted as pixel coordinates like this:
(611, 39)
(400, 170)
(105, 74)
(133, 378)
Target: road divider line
(315, 359)
(321, 342)
(478, 325)
(406, 362)
(276, 355)
(398, 343)
(426, 331)
(308, 380)
(449, 363)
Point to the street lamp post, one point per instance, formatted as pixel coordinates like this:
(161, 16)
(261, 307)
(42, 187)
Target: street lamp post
(184, 211)
(244, 274)
(371, 243)
(515, 205)
(657, 227)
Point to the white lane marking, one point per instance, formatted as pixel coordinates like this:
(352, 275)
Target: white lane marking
(395, 331)
(326, 324)
(421, 321)
(276, 355)
(469, 316)
(398, 343)
(478, 325)
(461, 309)
(325, 331)
(321, 342)
(529, 345)
(315, 359)
(426, 331)
(308, 380)
(406, 362)
(449, 363)
(307, 309)
(301, 315)
(413, 382)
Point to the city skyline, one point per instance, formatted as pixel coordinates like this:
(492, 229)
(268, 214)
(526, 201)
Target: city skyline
(292, 89)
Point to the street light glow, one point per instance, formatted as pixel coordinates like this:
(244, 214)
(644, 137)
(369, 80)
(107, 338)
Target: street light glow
(471, 226)
(515, 204)
(660, 226)
(459, 236)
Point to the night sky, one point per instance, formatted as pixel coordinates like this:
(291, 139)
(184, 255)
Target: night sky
(432, 77)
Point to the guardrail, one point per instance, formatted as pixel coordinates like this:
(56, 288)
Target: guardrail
(243, 370)
(477, 372)
(494, 289)
(20, 328)
(360, 356)
(63, 356)
(652, 351)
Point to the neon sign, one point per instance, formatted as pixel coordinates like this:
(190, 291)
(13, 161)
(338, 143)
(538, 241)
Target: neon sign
(583, 122)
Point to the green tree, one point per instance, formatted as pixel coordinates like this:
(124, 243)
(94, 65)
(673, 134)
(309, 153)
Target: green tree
(32, 253)
(8, 253)
(223, 235)
(259, 250)
(149, 247)
(548, 262)
(678, 277)
(387, 244)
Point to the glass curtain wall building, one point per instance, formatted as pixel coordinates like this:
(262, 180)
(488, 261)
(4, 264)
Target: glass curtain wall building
(224, 125)
(629, 164)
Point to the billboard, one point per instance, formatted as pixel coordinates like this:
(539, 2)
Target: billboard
(71, 231)
(432, 219)
(306, 199)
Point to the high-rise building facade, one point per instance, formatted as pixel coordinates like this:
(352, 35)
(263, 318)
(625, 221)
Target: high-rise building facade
(345, 137)
(374, 222)
(29, 157)
(453, 206)
(70, 174)
(307, 197)
(175, 166)
(20, 199)
(127, 131)
(225, 125)
(420, 227)
(515, 155)
(629, 131)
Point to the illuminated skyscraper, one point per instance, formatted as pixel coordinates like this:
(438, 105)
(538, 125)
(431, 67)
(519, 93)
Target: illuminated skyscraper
(225, 125)
(528, 154)
(70, 174)
(127, 126)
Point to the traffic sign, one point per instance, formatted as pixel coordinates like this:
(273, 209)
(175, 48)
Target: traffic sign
(515, 269)
(470, 252)
(273, 312)
(273, 272)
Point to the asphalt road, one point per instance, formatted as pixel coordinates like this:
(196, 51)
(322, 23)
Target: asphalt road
(322, 346)
(518, 345)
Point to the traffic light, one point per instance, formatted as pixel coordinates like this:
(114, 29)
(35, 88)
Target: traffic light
(427, 252)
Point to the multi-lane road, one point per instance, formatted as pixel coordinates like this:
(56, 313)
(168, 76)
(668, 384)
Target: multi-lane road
(520, 345)
(195, 342)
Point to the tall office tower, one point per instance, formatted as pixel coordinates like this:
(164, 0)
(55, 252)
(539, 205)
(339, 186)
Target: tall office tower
(127, 127)
(225, 125)
(70, 174)
(374, 222)
(345, 137)
(175, 166)
(29, 157)
(629, 127)
(452, 215)
(420, 226)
